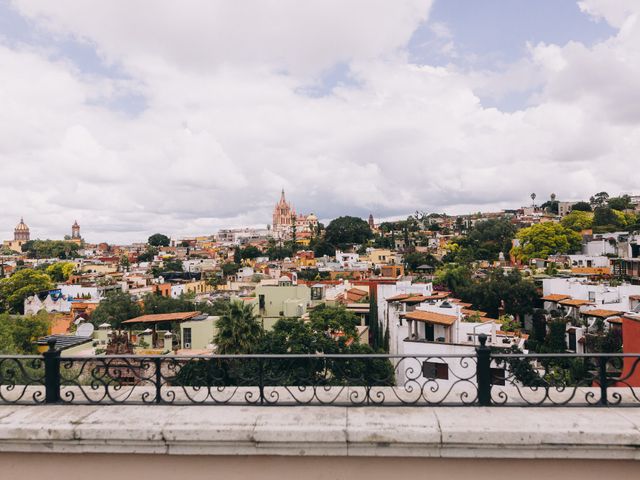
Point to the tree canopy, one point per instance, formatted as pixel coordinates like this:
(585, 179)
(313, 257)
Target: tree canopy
(159, 240)
(50, 249)
(18, 334)
(238, 330)
(518, 293)
(487, 239)
(620, 203)
(544, 239)
(581, 207)
(344, 231)
(22, 284)
(115, 309)
(60, 271)
(578, 220)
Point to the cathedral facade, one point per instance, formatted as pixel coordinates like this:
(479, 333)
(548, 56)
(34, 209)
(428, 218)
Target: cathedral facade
(285, 217)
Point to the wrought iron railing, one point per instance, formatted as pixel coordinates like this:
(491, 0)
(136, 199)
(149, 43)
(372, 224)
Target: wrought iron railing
(481, 378)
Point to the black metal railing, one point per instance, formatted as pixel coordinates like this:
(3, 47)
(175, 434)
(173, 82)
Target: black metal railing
(483, 377)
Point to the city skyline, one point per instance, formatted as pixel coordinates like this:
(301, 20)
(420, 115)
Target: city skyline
(150, 124)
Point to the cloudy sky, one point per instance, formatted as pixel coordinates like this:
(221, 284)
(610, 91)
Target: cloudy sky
(136, 116)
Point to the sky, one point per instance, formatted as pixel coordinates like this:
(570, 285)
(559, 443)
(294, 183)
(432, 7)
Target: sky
(144, 116)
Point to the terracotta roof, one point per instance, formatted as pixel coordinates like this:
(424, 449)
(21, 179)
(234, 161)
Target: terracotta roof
(396, 298)
(461, 303)
(615, 320)
(163, 317)
(601, 313)
(634, 297)
(466, 311)
(438, 295)
(555, 297)
(357, 291)
(575, 302)
(431, 317)
(414, 299)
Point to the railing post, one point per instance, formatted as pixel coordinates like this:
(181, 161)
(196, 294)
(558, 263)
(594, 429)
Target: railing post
(52, 373)
(602, 371)
(158, 374)
(261, 379)
(483, 371)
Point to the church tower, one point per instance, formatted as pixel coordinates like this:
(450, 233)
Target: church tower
(75, 231)
(282, 214)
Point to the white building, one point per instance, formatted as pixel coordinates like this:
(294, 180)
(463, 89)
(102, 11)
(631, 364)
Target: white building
(429, 330)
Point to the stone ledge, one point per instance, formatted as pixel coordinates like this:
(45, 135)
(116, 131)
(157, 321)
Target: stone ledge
(444, 432)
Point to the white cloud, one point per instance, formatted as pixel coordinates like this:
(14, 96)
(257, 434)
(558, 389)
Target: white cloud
(225, 125)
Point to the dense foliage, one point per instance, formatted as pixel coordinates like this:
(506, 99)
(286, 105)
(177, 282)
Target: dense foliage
(578, 220)
(60, 271)
(486, 240)
(345, 231)
(22, 284)
(518, 293)
(159, 240)
(50, 249)
(115, 309)
(18, 334)
(544, 239)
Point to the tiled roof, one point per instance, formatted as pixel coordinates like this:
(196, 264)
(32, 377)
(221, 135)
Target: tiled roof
(163, 317)
(575, 302)
(555, 297)
(601, 313)
(431, 317)
(466, 311)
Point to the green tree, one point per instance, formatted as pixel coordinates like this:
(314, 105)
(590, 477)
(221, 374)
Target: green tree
(22, 284)
(581, 207)
(322, 248)
(487, 294)
(230, 268)
(148, 255)
(250, 252)
(115, 309)
(159, 240)
(344, 231)
(238, 330)
(453, 277)
(415, 259)
(599, 199)
(578, 220)
(605, 216)
(60, 271)
(50, 249)
(487, 239)
(544, 239)
(18, 334)
(620, 203)
(334, 321)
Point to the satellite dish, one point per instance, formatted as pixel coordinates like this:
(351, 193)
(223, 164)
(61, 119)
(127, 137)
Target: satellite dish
(85, 330)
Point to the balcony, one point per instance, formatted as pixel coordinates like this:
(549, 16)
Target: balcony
(319, 416)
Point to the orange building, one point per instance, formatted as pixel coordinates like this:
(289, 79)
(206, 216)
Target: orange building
(630, 344)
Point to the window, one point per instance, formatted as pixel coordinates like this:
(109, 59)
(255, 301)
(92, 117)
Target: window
(433, 370)
(261, 302)
(592, 296)
(186, 337)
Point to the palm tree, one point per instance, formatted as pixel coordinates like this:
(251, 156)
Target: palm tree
(238, 329)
